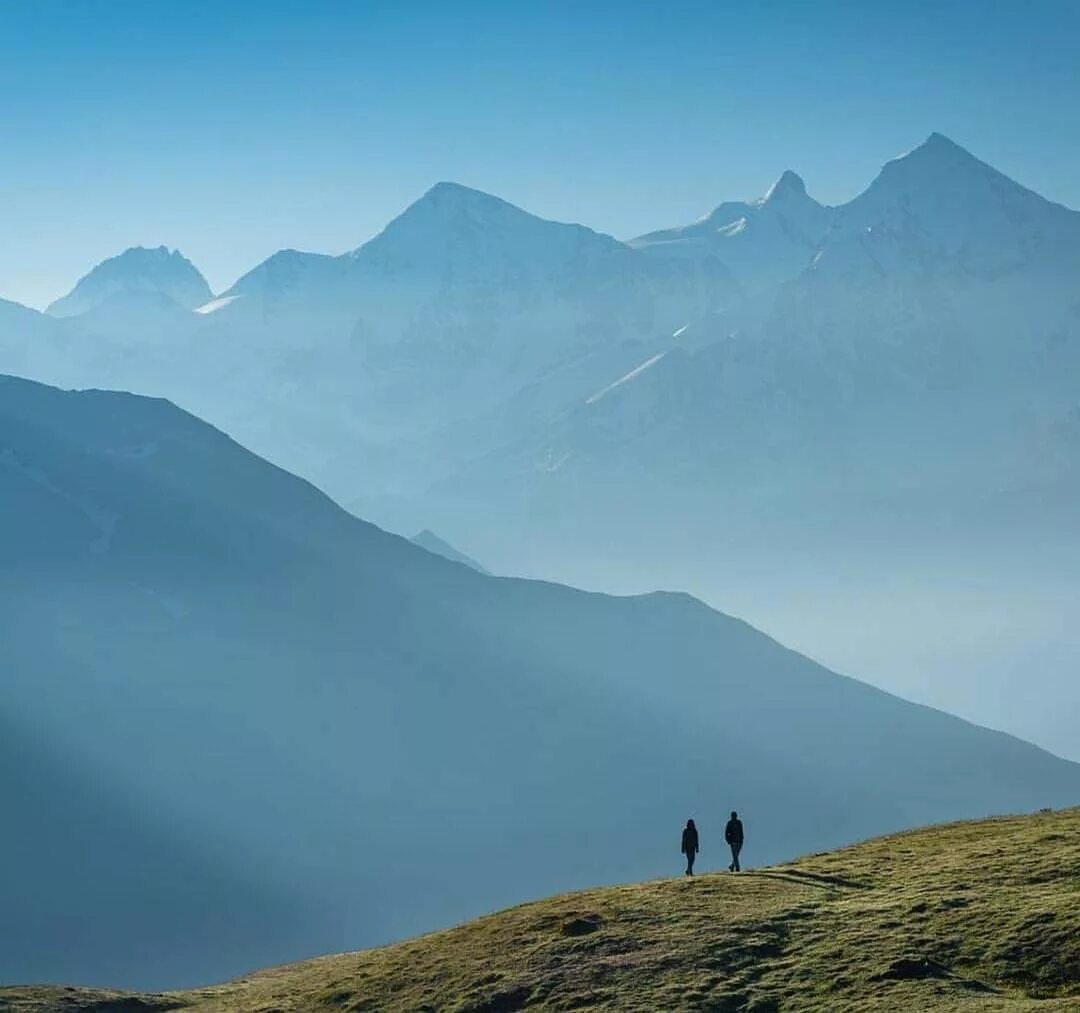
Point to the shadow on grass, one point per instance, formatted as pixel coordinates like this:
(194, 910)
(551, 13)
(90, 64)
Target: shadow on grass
(809, 879)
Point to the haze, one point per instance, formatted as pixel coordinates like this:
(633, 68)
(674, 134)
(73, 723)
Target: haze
(444, 446)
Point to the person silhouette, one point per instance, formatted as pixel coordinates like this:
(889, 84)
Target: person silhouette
(689, 846)
(733, 834)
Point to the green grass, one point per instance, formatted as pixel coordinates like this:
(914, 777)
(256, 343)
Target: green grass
(970, 916)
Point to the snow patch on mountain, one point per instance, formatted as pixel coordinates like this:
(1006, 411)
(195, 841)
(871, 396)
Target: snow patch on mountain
(763, 242)
(635, 372)
(216, 304)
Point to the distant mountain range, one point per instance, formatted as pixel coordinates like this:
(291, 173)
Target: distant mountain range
(779, 390)
(471, 342)
(245, 725)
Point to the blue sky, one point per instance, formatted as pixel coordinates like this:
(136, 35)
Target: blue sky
(231, 130)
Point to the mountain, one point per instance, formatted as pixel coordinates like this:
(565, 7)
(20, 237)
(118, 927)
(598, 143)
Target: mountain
(955, 214)
(893, 399)
(374, 733)
(946, 258)
(763, 243)
(936, 209)
(136, 273)
(917, 921)
(464, 299)
(463, 307)
(876, 394)
(433, 543)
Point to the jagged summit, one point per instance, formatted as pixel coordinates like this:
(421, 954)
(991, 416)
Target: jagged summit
(762, 243)
(789, 184)
(138, 270)
(732, 219)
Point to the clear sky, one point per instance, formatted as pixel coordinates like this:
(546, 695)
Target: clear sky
(233, 129)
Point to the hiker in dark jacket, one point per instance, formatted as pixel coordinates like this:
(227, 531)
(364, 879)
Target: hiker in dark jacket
(733, 834)
(690, 845)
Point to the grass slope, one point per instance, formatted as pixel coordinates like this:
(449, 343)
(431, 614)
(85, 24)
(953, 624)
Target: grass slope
(979, 916)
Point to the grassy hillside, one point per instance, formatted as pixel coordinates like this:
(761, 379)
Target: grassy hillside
(979, 916)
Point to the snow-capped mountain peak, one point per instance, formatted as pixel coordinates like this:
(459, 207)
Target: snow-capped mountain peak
(453, 210)
(937, 147)
(448, 196)
(935, 159)
(474, 232)
(790, 184)
(939, 204)
(941, 171)
(136, 271)
(449, 203)
(763, 243)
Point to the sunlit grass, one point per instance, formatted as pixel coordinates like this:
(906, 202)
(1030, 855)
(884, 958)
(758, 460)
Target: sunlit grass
(970, 916)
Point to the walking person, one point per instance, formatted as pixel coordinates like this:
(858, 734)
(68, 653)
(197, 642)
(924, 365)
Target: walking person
(733, 834)
(689, 845)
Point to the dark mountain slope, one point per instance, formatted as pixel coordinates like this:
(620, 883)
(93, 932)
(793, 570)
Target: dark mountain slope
(398, 739)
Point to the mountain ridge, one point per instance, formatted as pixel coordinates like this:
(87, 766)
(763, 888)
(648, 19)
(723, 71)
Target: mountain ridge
(268, 656)
(136, 270)
(905, 367)
(447, 196)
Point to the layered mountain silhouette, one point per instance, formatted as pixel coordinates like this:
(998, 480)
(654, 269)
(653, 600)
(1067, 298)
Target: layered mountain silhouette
(135, 274)
(266, 705)
(469, 328)
(763, 243)
(760, 390)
